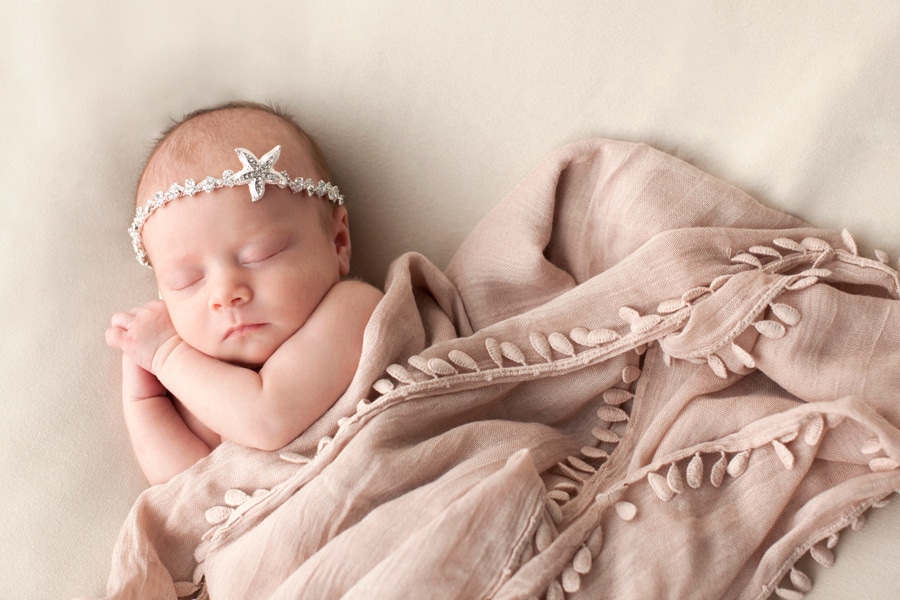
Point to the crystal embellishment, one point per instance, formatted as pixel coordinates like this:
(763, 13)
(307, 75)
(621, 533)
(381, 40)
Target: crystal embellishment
(255, 174)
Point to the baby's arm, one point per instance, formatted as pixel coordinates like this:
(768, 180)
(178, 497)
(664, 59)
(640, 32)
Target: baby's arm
(297, 384)
(163, 443)
(269, 408)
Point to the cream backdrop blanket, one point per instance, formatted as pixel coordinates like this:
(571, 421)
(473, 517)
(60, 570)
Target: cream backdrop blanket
(632, 381)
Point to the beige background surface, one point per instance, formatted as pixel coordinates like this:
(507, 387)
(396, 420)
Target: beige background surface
(430, 112)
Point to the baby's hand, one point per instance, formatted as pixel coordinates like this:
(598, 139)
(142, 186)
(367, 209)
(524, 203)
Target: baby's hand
(141, 332)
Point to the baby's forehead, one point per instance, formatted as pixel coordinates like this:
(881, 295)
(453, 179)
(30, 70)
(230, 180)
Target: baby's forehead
(205, 146)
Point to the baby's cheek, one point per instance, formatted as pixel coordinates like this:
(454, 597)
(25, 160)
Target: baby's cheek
(188, 325)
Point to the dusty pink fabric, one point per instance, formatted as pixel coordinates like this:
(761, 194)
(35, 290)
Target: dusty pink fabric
(632, 381)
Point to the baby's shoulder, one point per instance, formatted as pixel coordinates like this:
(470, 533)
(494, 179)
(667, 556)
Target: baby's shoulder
(354, 294)
(357, 287)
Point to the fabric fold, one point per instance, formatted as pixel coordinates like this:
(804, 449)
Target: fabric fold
(631, 381)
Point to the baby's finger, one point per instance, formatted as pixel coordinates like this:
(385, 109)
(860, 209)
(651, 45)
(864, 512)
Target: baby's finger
(122, 319)
(114, 337)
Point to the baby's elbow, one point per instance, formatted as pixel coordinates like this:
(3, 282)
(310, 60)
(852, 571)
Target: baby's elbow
(271, 444)
(271, 439)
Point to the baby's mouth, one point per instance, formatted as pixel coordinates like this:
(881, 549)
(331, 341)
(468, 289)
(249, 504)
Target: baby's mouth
(243, 329)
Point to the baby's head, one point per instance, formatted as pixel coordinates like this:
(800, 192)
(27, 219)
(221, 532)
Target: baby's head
(239, 277)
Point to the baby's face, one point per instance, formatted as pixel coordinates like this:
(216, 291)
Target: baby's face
(239, 277)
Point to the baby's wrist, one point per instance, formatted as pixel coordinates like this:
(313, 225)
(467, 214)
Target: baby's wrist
(164, 352)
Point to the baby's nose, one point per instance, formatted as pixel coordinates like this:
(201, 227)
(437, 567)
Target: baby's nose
(229, 294)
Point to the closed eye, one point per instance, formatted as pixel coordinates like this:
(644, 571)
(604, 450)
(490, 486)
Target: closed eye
(183, 280)
(259, 254)
(258, 258)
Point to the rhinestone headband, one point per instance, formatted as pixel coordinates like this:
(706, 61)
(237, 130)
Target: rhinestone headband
(256, 174)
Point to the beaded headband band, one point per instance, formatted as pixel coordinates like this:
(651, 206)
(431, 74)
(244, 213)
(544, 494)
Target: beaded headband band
(256, 173)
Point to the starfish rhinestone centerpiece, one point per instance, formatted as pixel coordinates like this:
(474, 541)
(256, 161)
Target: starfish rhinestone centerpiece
(256, 174)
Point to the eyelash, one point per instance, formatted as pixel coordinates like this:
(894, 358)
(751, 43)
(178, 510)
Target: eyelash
(259, 260)
(187, 285)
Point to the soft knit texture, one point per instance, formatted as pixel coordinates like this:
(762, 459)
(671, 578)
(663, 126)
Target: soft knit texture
(632, 381)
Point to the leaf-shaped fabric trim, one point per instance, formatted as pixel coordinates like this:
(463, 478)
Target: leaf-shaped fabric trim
(660, 487)
(645, 323)
(628, 314)
(383, 386)
(580, 336)
(293, 457)
(544, 536)
(571, 580)
(719, 282)
(217, 514)
(555, 591)
(554, 511)
(493, 350)
(717, 473)
(815, 272)
(872, 446)
(849, 242)
(770, 329)
(669, 306)
(602, 336)
(630, 374)
(787, 594)
(814, 430)
(765, 251)
(324, 442)
(815, 244)
(592, 452)
(788, 244)
(883, 464)
(440, 366)
(594, 542)
(420, 363)
(611, 414)
(561, 344)
(540, 343)
(801, 580)
(626, 510)
(559, 495)
(566, 486)
(738, 463)
(823, 556)
(694, 473)
(802, 283)
(747, 259)
(512, 352)
(674, 479)
(605, 435)
(694, 293)
(617, 396)
(400, 373)
(743, 356)
(580, 465)
(461, 359)
(582, 561)
(236, 497)
(786, 313)
(784, 455)
(717, 365)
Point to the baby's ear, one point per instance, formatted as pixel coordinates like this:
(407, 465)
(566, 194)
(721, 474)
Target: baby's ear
(340, 235)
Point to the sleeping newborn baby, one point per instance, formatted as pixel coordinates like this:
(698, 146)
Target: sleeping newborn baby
(256, 334)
